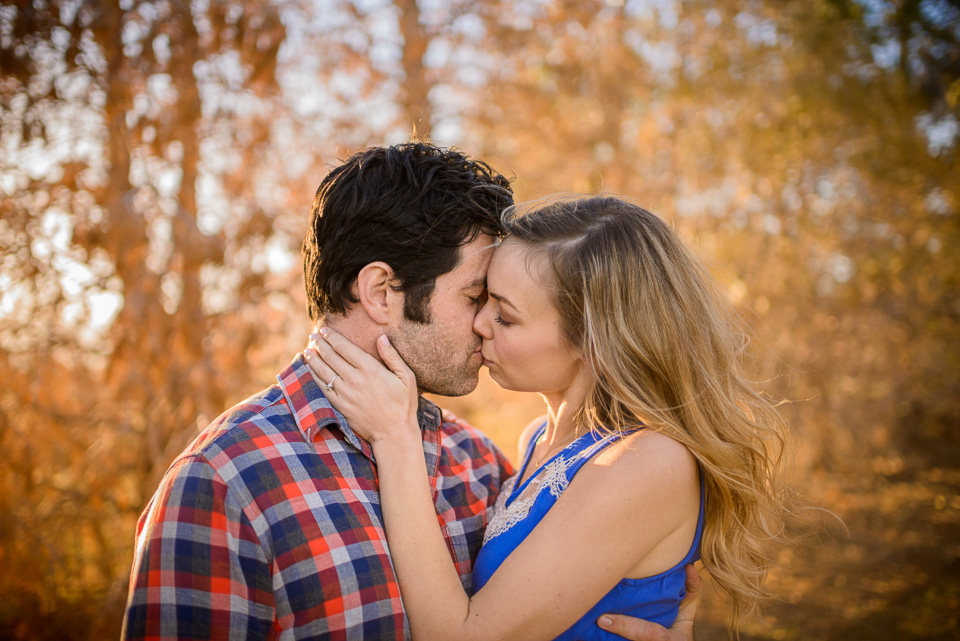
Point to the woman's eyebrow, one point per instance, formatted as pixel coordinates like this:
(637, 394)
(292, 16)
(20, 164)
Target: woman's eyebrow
(504, 300)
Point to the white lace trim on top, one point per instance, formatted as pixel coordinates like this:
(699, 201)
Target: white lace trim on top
(553, 476)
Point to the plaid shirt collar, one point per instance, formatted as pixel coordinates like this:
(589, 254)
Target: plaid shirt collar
(313, 412)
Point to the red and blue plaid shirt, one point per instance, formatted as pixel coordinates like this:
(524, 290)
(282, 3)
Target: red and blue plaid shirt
(268, 526)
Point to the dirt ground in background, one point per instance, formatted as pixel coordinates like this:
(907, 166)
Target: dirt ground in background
(893, 575)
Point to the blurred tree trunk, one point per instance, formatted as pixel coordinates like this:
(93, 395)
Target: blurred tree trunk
(415, 93)
(91, 415)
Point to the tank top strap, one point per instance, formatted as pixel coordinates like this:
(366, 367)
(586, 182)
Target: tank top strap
(531, 446)
(694, 553)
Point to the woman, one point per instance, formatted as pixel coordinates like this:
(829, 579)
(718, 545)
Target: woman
(654, 449)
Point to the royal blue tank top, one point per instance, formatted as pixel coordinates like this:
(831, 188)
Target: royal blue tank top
(519, 509)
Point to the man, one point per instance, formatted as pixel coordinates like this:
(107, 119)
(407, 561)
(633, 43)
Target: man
(268, 525)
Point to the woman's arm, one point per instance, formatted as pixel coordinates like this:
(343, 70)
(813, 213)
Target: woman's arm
(586, 543)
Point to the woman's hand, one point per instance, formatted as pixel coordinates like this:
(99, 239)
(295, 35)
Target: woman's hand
(378, 402)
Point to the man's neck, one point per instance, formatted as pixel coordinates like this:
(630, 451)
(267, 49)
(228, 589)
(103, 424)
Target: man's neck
(361, 334)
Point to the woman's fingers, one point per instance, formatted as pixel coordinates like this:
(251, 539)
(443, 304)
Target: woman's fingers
(333, 354)
(392, 359)
(346, 350)
(321, 372)
(331, 357)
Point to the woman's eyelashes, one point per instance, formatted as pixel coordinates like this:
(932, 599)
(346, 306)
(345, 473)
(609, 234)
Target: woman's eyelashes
(499, 320)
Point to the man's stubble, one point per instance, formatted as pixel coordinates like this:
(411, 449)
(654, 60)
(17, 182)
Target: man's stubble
(441, 362)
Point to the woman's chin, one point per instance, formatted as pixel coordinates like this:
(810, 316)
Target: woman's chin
(500, 380)
(492, 371)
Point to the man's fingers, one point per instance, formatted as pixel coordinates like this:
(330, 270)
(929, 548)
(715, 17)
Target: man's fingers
(640, 630)
(633, 629)
(694, 583)
(688, 607)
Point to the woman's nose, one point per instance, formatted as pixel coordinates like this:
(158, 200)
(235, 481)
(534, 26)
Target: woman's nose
(481, 322)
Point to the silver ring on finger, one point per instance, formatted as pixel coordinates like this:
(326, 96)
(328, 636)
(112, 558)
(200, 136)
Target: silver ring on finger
(329, 385)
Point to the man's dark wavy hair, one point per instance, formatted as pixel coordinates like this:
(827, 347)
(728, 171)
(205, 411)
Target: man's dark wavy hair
(411, 206)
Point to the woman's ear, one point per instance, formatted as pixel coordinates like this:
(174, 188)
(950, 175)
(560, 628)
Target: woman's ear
(378, 298)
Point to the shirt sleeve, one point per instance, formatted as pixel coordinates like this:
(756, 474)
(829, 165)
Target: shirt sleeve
(491, 452)
(199, 570)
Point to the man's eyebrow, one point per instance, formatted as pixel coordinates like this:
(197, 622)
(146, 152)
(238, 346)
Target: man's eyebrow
(479, 282)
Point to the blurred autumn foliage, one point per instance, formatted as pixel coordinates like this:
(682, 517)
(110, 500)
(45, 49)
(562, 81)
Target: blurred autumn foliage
(158, 158)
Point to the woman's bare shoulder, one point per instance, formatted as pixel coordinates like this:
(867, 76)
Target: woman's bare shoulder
(648, 453)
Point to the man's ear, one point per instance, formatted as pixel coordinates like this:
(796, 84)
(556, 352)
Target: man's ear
(378, 298)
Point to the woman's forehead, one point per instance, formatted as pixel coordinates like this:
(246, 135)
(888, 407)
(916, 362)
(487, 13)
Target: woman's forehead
(517, 267)
(516, 255)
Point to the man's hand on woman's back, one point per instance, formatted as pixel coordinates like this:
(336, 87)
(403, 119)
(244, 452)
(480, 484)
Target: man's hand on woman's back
(640, 630)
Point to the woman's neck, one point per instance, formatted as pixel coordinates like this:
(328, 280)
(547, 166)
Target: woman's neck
(563, 410)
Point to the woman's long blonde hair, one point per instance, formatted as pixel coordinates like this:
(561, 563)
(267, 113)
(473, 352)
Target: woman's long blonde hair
(666, 348)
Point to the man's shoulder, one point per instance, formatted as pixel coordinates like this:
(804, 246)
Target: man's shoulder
(262, 418)
(461, 435)
(450, 423)
(251, 440)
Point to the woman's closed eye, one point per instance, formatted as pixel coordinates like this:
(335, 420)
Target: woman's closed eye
(499, 320)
